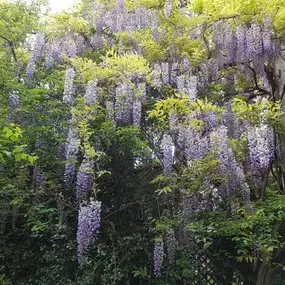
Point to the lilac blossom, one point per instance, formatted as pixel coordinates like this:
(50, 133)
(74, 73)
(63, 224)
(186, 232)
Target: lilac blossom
(158, 257)
(165, 72)
(234, 178)
(13, 104)
(171, 245)
(187, 85)
(89, 218)
(156, 76)
(194, 145)
(137, 106)
(261, 146)
(167, 149)
(68, 86)
(167, 8)
(123, 103)
(109, 111)
(85, 178)
(267, 36)
(241, 44)
(71, 150)
(90, 95)
(37, 50)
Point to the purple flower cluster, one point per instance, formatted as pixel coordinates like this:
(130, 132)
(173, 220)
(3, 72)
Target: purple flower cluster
(68, 86)
(187, 85)
(90, 95)
(247, 44)
(167, 149)
(13, 103)
(128, 102)
(123, 103)
(156, 76)
(261, 146)
(89, 218)
(165, 72)
(171, 245)
(37, 50)
(167, 8)
(85, 178)
(71, 150)
(158, 257)
(192, 143)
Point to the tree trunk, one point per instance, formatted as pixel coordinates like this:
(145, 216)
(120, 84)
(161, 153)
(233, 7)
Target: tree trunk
(262, 274)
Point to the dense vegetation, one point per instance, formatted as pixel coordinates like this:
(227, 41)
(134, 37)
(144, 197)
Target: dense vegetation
(142, 142)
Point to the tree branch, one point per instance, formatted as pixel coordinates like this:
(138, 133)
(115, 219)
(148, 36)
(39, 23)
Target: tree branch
(11, 47)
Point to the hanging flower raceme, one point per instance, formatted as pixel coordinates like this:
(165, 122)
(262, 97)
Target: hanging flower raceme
(89, 218)
(167, 8)
(261, 146)
(90, 95)
(71, 150)
(37, 50)
(230, 169)
(187, 85)
(123, 104)
(85, 178)
(158, 257)
(171, 245)
(68, 86)
(13, 103)
(167, 149)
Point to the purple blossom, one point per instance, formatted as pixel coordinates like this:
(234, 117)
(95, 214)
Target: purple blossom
(158, 257)
(195, 146)
(171, 245)
(154, 25)
(156, 76)
(267, 36)
(68, 86)
(123, 104)
(13, 104)
(85, 178)
(13, 101)
(97, 41)
(141, 17)
(53, 53)
(31, 67)
(165, 72)
(137, 106)
(90, 95)
(89, 218)
(230, 169)
(261, 146)
(167, 8)
(241, 44)
(71, 150)
(167, 149)
(187, 85)
(174, 72)
(37, 51)
(109, 111)
(257, 39)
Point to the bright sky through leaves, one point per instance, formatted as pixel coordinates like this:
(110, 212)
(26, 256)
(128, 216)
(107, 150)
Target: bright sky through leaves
(57, 5)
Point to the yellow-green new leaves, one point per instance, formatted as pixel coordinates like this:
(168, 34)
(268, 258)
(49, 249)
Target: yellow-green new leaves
(60, 24)
(85, 66)
(180, 105)
(241, 10)
(259, 111)
(123, 67)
